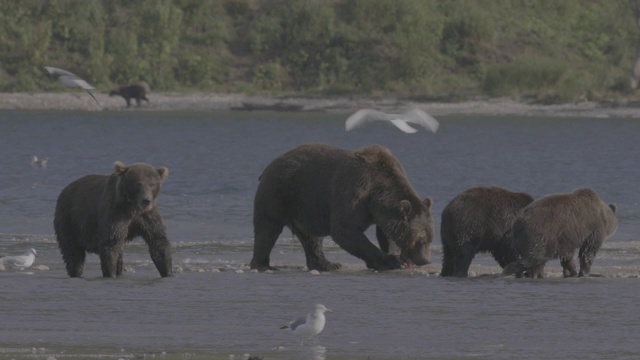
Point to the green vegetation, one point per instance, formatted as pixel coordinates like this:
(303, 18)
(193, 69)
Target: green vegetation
(547, 50)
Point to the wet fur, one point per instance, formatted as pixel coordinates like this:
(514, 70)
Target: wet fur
(555, 226)
(98, 214)
(318, 191)
(479, 220)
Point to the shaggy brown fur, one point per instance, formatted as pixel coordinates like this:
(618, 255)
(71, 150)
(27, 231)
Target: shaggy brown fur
(555, 226)
(98, 214)
(479, 220)
(318, 191)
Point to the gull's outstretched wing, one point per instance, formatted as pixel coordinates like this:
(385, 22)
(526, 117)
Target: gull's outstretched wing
(400, 121)
(68, 78)
(57, 71)
(364, 116)
(74, 81)
(419, 117)
(403, 126)
(71, 80)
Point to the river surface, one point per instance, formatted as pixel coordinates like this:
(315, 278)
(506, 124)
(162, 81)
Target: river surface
(215, 308)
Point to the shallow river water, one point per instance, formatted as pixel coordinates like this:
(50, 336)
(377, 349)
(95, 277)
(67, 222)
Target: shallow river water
(215, 308)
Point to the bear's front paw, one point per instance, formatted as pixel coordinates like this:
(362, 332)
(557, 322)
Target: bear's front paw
(390, 262)
(327, 266)
(264, 268)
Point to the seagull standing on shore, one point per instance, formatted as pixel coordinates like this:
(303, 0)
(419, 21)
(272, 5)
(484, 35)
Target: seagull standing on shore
(401, 121)
(311, 325)
(71, 80)
(20, 261)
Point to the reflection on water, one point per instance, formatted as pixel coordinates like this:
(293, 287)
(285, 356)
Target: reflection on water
(215, 307)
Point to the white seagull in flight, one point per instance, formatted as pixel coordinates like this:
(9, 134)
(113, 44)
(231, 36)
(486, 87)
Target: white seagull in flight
(71, 80)
(401, 121)
(311, 325)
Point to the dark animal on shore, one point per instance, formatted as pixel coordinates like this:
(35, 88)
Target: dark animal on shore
(479, 220)
(317, 190)
(135, 91)
(99, 214)
(555, 226)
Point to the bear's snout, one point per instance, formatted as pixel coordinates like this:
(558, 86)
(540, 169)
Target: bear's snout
(145, 204)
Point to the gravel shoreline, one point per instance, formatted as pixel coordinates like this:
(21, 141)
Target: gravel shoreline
(219, 102)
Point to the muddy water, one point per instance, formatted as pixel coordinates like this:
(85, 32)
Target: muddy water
(216, 308)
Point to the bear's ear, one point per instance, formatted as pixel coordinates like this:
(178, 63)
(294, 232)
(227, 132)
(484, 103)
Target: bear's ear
(405, 208)
(163, 172)
(427, 202)
(119, 167)
(613, 207)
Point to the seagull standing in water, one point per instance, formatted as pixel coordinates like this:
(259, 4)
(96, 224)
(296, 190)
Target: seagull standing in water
(401, 121)
(35, 161)
(311, 325)
(20, 261)
(71, 80)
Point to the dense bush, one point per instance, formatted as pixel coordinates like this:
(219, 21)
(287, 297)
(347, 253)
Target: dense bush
(544, 49)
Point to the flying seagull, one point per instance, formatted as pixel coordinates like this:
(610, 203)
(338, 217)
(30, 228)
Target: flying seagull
(20, 261)
(401, 121)
(311, 325)
(71, 80)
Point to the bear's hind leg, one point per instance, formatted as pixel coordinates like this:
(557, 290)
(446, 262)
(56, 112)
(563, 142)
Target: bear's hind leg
(588, 252)
(462, 261)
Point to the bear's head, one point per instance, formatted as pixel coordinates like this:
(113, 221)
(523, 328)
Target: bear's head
(138, 185)
(611, 218)
(414, 232)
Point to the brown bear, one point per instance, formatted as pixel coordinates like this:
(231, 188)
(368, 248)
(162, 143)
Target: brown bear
(479, 220)
(555, 226)
(136, 91)
(317, 190)
(99, 213)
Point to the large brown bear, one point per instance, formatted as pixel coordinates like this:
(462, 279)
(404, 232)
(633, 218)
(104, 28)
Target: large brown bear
(318, 190)
(98, 214)
(479, 220)
(555, 226)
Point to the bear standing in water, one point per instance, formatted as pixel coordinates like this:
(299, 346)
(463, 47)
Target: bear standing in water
(479, 220)
(555, 226)
(136, 91)
(99, 213)
(318, 190)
